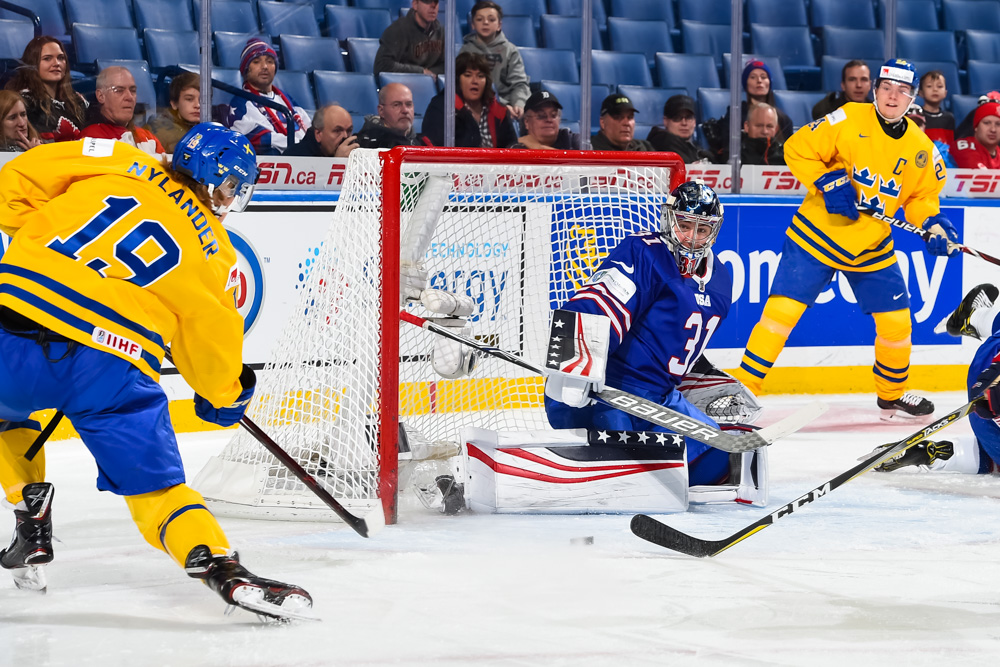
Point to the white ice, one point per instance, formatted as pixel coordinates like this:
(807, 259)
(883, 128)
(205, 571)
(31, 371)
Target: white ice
(893, 568)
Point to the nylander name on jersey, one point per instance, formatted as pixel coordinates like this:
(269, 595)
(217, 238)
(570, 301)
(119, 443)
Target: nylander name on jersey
(661, 322)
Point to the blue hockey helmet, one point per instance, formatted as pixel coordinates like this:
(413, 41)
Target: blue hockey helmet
(221, 159)
(690, 221)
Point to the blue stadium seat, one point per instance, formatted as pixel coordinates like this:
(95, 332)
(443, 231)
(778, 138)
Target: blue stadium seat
(861, 43)
(777, 12)
(918, 14)
(229, 47)
(50, 14)
(971, 15)
(915, 44)
(351, 90)
(392, 5)
(104, 13)
(520, 30)
(707, 38)
(614, 68)
(962, 106)
(305, 54)
(532, 8)
(319, 7)
(563, 32)
(422, 86)
(630, 35)
(171, 47)
(569, 97)
(575, 8)
(297, 86)
(230, 16)
(843, 13)
(982, 45)
(712, 103)
(706, 11)
(798, 104)
(984, 75)
(145, 90)
(648, 102)
(948, 68)
(833, 71)
(228, 75)
(14, 36)
(94, 42)
(287, 18)
(163, 15)
(551, 64)
(344, 22)
(648, 10)
(361, 51)
(793, 45)
(778, 81)
(686, 70)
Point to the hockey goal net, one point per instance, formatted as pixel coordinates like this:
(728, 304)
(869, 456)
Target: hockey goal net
(518, 231)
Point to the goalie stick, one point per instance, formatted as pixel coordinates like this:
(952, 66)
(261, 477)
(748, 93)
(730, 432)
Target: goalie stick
(924, 234)
(665, 536)
(649, 410)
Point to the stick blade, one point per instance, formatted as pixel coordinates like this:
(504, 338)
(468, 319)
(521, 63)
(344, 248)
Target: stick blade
(795, 421)
(663, 535)
(372, 523)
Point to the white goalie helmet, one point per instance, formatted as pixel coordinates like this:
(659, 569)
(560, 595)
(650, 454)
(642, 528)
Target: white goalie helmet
(690, 223)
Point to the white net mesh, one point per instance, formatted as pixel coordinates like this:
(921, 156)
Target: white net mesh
(518, 239)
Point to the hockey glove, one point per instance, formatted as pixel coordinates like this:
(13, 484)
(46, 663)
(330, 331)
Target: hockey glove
(838, 194)
(230, 414)
(942, 231)
(578, 354)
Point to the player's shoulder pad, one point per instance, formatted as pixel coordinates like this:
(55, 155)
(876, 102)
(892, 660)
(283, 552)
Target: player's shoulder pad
(838, 115)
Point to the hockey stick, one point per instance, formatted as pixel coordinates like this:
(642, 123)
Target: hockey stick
(365, 526)
(43, 437)
(646, 409)
(924, 234)
(663, 535)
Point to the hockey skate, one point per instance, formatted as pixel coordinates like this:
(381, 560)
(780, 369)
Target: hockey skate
(269, 599)
(907, 406)
(921, 454)
(31, 546)
(979, 297)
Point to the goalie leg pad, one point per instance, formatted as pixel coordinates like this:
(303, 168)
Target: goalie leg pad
(748, 484)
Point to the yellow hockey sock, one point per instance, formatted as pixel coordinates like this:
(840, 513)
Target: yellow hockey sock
(16, 438)
(175, 520)
(767, 340)
(892, 353)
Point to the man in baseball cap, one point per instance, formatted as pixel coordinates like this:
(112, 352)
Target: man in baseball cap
(980, 150)
(542, 116)
(677, 133)
(618, 127)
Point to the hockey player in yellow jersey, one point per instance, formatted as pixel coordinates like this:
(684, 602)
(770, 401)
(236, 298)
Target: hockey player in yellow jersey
(114, 254)
(859, 157)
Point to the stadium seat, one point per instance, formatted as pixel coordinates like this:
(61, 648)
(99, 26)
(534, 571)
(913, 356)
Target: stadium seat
(551, 64)
(686, 70)
(230, 15)
(163, 15)
(648, 102)
(777, 12)
(962, 105)
(229, 47)
(14, 36)
(919, 15)
(520, 30)
(981, 45)
(344, 22)
(614, 68)
(843, 14)
(171, 47)
(645, 10)
(291, 18)
(361, 51)
(305, 54)
(705, 38)
(569, 97)
(798, 104)
(94, 42)
(861, 43)
(947, 67)
(793, 45)
(297, 86)
(575, 8)
(984, 76)
(706, 11)
(228, 75)
(774, 64)
(319, 7)
(563, 32)
(833, 71)
(392, 5)
(145, 90)
(351, 90)
(103, 13)
(422, 86)
(712, 103)
(50, 14)
(532, 8)
(915, 44)
(971, 15)
(631, 35)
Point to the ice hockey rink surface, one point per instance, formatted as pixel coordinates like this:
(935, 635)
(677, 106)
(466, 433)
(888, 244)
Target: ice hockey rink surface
(899, 568)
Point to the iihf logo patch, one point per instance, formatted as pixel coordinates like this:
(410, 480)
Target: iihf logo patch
(117, 343)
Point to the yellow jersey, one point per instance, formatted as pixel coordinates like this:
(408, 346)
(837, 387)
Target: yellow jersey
(109, 251)
(887, 173)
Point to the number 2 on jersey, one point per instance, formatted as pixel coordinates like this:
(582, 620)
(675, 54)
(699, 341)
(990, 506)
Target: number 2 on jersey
(695, 322)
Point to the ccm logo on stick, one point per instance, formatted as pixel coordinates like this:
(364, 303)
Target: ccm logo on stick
(657, 416)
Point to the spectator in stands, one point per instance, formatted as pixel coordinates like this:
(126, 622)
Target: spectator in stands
(757, 84)
(18, 134)
(677, 133)
(855, 85)
(964, 128)
(55, 110)
(980, 151)
(759, 141)
(480, 121)
(413, 43)
(183, 114)
(393, 125)
(542, 117)
(264, 126)
(916, 114)
(940, 124)
(331, 135)
(618, 127)
(112, 116)
(487, 38)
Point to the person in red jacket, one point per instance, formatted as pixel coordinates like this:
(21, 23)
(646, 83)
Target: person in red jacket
(112, 119)
(980, 150)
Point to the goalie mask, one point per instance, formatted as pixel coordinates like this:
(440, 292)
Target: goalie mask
(690, 223)
(221, 159)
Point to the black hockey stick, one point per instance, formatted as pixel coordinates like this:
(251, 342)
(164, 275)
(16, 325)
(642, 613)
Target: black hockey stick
(43, 437)
(924, 234)
(646, 409)
(365, 526)
(663, 535)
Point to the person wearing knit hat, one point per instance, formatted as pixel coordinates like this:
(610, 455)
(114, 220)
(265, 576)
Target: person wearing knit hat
(756, 79)
(264, 126)
(980, 150)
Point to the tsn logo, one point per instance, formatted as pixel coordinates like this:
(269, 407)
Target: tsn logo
(974, 182)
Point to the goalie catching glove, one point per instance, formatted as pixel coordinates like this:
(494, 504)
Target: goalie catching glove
(719, 395)
(229, 414)
(577, 357)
